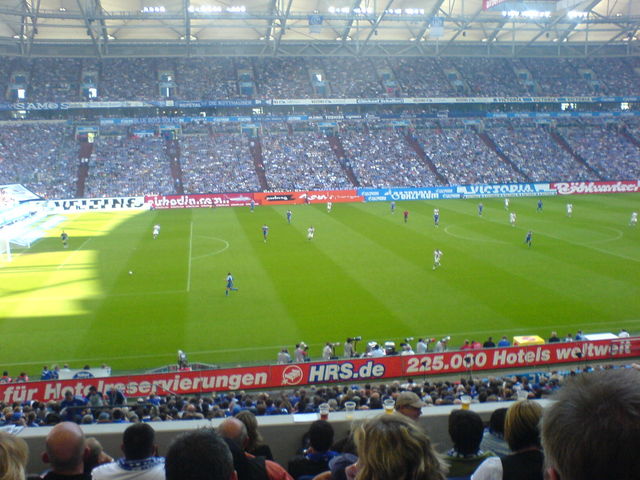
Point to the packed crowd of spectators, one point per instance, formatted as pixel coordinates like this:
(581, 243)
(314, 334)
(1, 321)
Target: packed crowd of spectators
(128, 79)
(59, 79)
(351, 77)
(488, 76)
(523, 441)
(538, 155)
(55, 79)
(462, 158)
(218, 163)
(129, 166)
(612, 155)
(558, 75)
(206, 78)
(286, 77)
(615, 76)
(634, 130)
(370, 153)
(301, 161)
(43, 157)
(113, 407)
(422, 77)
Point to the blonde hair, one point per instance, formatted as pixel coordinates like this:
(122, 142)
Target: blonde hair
(521, 425)
(392, 447)
(14, 454)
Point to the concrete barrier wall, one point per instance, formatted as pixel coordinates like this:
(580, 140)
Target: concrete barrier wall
(283, 433)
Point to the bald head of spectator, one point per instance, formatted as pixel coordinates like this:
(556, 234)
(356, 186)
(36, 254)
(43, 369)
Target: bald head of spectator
(66, 449)
(234, 430)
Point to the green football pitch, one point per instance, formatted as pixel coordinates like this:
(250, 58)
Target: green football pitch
(365, 273)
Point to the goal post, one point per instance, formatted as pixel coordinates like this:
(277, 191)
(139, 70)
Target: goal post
(5, 248)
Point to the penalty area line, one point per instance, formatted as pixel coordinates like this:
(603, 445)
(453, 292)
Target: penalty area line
(71, 254)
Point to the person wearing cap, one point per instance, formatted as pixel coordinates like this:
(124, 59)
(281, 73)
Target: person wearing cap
(301, 353)
(409, 405)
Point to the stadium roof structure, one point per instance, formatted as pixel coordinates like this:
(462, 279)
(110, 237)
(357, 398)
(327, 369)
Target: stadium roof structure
(117, 28)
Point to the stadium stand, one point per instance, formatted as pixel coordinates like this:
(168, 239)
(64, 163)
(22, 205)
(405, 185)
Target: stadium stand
(303, 161)
(489, 76)
(422, 77)
(530, 148)
(460, 155)
(283, 77)
(365, 154)
(221, 162)
(129, 166)
(128, 79)
(200, 78)
(349, 77)
(54, 78)
(605, 150)
(369, 153)
(59, 79)
(43, 156)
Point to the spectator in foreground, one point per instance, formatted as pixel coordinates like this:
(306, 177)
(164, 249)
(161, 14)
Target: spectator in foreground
(245, 468)
(493, 437)
(14, 454)
(523, 436)
(96, 455)
(591, 430)
(392, 447)
(255, 444)
(247, 465)
(465, 430)
(66, 452)
(409, 405)
(315, 459)
(140, 460)
(199, 455)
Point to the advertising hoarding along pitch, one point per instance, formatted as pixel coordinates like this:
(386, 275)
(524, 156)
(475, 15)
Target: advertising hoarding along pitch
(163, 202)
(348, 370)
(575, 188)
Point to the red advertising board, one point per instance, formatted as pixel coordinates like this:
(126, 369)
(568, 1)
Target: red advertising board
(313, 196)
(309, 373)
(575, 188)
(336, 196)
(244, 199)
(198, 201)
